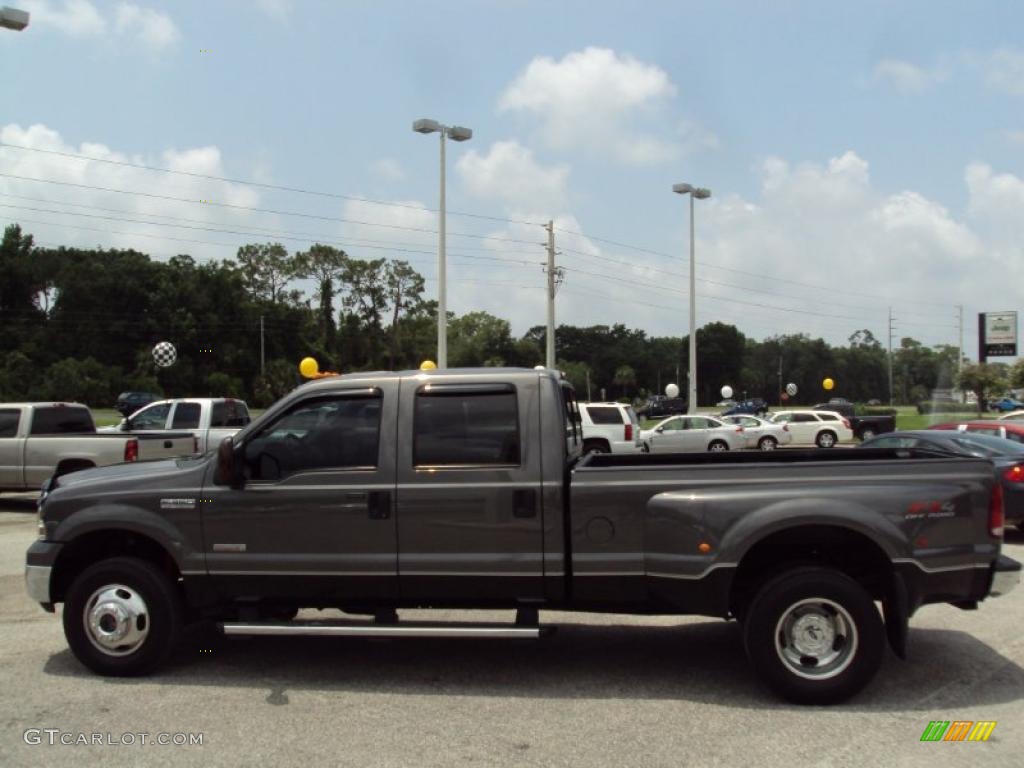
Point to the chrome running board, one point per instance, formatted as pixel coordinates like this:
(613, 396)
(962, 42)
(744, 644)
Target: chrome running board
(338, 629)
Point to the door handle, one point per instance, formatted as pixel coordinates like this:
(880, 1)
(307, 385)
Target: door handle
(379, 504)
(167, 443)
(524, 503)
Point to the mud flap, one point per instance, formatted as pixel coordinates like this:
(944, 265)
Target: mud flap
(895, 609)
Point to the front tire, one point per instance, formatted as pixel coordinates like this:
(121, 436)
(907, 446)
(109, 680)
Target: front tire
(814, 636)
(122, 617)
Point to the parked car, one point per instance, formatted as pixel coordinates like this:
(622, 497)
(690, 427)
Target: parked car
(210, 419)
(1011, 416)
(755, 407)
(1006, 404)
(659, 406)
(129, 402)
(864, 427)
(824, 429)
(42, 439)
(466, 490)
(1006, 455)
(761, 433)
(686, 434)
(1004, 429)
(610, 428)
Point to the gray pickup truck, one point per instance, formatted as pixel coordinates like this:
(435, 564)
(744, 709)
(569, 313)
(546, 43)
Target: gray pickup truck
(374, 492)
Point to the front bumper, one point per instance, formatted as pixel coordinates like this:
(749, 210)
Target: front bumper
(1005, 576)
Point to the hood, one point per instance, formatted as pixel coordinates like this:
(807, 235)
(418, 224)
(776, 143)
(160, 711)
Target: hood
(129, 474)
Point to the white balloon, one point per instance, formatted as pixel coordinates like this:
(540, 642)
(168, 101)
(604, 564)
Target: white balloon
(672, 390)
(726, 392)
(791, 389)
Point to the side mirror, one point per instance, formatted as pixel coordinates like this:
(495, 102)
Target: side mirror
(227, 465)
(124, 425)
(659, 430)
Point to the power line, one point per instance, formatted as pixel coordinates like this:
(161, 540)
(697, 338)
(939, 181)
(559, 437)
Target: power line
(261, 185)
(252, 209)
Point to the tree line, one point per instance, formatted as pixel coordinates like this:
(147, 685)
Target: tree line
(80, 324)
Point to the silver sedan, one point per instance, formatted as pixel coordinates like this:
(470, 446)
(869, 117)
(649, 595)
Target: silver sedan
(686, 434)
(760, 433)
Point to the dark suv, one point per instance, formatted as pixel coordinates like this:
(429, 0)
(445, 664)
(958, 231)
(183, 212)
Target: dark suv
(129, 402)
(754, 407)
(664, 406)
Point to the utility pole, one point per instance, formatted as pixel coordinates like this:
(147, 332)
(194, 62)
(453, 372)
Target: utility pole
(263, 356)
(588, 385)
(960, 346)
(890, 357)
(555, 276)
(780, 380)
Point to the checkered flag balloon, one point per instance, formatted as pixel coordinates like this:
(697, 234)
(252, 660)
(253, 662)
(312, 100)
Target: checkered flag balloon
(164, 354)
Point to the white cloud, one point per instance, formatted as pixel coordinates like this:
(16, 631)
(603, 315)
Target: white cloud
(593, 99)
(82, 18)
(78, 18)
(509, 173)
(278, 10)
(1005, 70)
(1015, 137)
(153, 27)
(105, 218)
(905, 76)
(388, 169)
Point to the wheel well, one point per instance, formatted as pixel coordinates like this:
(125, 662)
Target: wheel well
(597, 441)
(90, 548)
(829, 546)
(72, 465)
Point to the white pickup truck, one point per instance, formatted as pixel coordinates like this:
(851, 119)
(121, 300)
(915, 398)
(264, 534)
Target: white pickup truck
(38, 440)
(209, 419)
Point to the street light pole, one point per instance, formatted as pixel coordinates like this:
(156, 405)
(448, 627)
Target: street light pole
(701, 194)
(455, 133)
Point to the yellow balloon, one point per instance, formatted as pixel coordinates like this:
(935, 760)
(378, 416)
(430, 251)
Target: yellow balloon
(828, 383)
(428, 365)
(308, 367)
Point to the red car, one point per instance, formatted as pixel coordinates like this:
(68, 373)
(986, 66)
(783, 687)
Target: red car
(1005, 429)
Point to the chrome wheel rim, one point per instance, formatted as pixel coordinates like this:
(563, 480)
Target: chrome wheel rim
(767, 444)
(718, 447)
(816, 639)
(826, 440)
(116, 620)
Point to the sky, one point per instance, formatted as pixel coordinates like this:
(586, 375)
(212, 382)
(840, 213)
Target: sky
(860, 156)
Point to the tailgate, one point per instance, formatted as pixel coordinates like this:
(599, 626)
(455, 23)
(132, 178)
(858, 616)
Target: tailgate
(166, 445)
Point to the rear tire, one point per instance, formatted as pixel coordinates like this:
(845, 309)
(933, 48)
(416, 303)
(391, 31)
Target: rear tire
(826, 439)
(122, 617)
(867, 433)
(767, 444)
(594, 446)
(717, 446)
(814, 636)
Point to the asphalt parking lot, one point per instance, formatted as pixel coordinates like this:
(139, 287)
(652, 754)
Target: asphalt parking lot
(604, 690)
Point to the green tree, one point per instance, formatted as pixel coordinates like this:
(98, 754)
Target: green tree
(404, 287)
(1017, 374)
(625, 379)
(267, 270)
(325, 265)
(982, 379)
(477, 338)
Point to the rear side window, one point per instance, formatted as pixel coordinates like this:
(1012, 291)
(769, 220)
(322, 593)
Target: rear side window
(828, 417)
(61, 421)
(604, 414)
(186, 416)
(453, 427)
(803, 418)
(9, 418)
(230, 413)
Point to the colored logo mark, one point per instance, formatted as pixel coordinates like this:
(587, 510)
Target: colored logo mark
(958, 730)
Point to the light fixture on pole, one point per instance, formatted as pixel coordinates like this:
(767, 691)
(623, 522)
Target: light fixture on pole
(701, 194)
(455, 133)
(12, 18)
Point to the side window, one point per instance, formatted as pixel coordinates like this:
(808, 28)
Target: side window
(696, 422)
(61, 421)
(604, 414)
(229, 413)
(186, 416)
(828, 417)
(9, 418)
(154, 417)
(572, 418)
(453, 427)
(672, 425)
(327, 433)
(803, 418)
(782, 418)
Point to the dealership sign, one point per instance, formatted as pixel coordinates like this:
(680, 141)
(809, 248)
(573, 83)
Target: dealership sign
(998, 332)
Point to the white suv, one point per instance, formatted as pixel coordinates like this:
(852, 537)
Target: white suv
(610, 428)
(824, 429)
